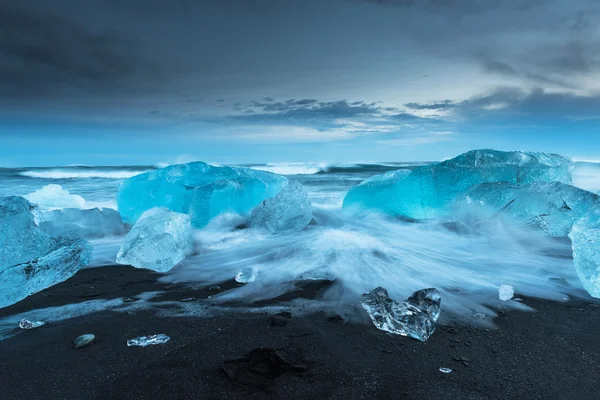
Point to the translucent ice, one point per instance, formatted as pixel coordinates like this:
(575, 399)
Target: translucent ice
(52, 197)
(20, 238)
(144, 341)
(289, 210)
(246, 275)
(77, 223)
(26, 324)
(428, 191)
(160, 239)
(548, 207)
(198, 189)
(63, 260)
(415, 317)
(506, 292)
(585, 239)
(84, 340)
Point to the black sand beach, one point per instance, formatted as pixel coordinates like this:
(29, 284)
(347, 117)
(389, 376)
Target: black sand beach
(552, 353)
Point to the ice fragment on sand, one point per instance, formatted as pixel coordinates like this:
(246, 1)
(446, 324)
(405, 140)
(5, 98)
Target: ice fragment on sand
(144, 341)
(506, 292)
(246, 275)
(585, 239)
(198, 189)
(26, 324)
(159, 240)
(479, 315)
(318, 274)
(415, 317)
(428, 191)
(445, 370)
(289, 210)
(77, 223)
(84, 340)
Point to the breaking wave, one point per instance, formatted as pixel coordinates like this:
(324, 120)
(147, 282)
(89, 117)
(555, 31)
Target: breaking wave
(80, 173)
(324, 168)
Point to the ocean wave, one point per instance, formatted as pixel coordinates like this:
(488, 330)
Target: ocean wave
(292, 169)
(80, 174)
(324, 168)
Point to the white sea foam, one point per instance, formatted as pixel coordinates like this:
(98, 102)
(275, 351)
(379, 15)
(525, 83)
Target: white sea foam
(292, 169)
(79, 174)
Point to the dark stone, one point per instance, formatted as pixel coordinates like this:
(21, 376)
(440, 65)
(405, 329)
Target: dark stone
(281, 319)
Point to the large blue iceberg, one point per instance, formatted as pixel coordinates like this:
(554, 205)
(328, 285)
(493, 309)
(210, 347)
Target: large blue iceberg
(585, 239)
(203, 191)
(428, 191)
(551, 208)
(30, 260)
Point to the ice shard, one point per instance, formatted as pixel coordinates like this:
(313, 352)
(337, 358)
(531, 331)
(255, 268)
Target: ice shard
(416, 317)
(203, 191)
(77, 223)
(289, 210)
(64, 259)
(160, 239)
(150, 340)
(551, 208)
(585, 239)
(246, 275)
(428, 191)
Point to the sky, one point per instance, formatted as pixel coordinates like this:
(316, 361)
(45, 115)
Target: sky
(131, 82)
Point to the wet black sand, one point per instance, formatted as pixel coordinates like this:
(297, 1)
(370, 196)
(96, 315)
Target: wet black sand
(553, 353)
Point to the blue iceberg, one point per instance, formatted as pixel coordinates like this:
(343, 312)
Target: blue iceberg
(585, 239)
(289, 210)
(551, 208)
(428, 191)
(203, 191)
(77, 223)
(30, 260)
(159, 239)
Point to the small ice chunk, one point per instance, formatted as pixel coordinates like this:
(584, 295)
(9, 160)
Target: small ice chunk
(144, 341)
(246, 275)
(318, 274)
(76, 223)
(84, 340)
(53, 197)
(415, 317)
(506, 292)
(158, 241)
(26, 324)
(585, 239)
(479, 315)
(445, 370)
(289, 210)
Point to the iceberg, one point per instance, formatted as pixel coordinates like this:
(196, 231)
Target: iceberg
(76, 223)
(585, 239)
(289, 210)
(160, 239)
(64, 259)
(551, 208)
(428, 191)
(415, 317)
(52, 197)
(203, 191)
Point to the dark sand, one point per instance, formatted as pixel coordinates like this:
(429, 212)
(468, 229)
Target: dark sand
(553, 353)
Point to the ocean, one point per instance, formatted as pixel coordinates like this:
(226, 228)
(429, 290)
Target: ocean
(360, 252)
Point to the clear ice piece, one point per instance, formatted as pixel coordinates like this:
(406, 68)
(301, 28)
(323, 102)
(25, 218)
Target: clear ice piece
(318, 274)
(144, 341)
(585, 239)
(506, 292)
(63, 260)
(158, 241)
(289, 210)
(415, 317)
(203, 191)
(246, 275)
(445, 370)
(84, 340)
(428, 191)
(551, 208)
(76, 223)
(21, 240)
(26, 324)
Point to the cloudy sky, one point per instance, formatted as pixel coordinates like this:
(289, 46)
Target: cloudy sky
(236, 81)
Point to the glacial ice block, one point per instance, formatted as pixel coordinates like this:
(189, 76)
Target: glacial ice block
(159, 239)
(63, 260)
(20, 238)
(198, 189)
(416, 317)
(289, 210)
(53, 197)
(585, 239)
(77, 223)
(428, 191)
(551, 208)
